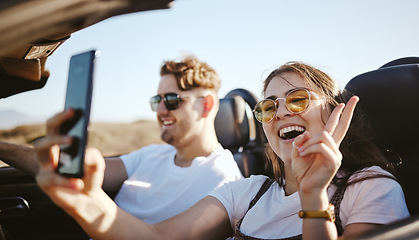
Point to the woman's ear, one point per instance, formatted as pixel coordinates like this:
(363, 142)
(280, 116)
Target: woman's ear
(208, 104)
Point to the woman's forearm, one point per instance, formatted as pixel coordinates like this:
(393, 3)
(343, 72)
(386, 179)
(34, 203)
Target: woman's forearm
(102, 219)
(317, 228)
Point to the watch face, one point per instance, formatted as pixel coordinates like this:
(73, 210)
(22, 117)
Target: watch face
(331, 212)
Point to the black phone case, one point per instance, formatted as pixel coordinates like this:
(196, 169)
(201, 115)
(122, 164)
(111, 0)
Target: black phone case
(78, 97)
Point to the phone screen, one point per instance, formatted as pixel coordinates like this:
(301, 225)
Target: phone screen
(78, 97)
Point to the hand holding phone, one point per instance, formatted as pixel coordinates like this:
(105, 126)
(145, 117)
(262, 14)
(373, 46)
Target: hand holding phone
(78, 97)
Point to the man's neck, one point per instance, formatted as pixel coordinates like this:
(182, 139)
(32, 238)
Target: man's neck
(185, 156)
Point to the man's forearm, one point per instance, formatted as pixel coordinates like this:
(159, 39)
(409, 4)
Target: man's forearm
(19, 156)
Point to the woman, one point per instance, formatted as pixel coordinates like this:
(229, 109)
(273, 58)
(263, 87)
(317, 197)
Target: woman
(305, 126)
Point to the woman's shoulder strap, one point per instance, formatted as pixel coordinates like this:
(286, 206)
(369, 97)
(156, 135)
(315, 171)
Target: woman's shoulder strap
(265, 186)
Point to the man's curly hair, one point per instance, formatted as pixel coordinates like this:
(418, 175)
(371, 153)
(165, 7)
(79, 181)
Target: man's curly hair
(191, 73)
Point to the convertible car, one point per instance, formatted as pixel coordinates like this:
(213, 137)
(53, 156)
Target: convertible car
(33, 29)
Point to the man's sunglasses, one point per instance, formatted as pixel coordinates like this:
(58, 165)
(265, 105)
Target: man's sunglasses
(296, 101)
(171, 101)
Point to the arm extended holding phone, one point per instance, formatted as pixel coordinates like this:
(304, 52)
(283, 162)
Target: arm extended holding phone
(78, 97)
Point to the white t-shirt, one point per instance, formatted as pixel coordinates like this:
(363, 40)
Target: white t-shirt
(377, 200)
(157, 189)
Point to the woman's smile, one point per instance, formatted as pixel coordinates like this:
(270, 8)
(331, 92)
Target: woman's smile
(289, 132)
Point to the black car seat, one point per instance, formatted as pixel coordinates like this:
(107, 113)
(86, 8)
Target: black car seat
(238, 131)
(390, 98)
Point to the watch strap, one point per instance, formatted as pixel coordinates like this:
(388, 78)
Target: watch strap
(328, 214)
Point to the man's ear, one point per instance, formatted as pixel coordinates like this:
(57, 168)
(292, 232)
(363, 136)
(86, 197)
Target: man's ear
(208, 104)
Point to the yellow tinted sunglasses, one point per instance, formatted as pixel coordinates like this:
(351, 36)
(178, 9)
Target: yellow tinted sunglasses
(296, 101)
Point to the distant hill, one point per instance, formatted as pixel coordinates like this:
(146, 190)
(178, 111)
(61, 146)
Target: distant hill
(110, 138)
(12, 118)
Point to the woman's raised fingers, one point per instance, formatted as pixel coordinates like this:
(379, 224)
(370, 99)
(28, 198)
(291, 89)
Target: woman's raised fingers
(334, 118)
(320, 138)
(340, 119)
(345, 120)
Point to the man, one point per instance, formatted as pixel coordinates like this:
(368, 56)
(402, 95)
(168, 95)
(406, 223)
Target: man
(160, 181)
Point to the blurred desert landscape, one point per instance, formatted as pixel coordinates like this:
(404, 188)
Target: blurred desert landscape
(111, 139)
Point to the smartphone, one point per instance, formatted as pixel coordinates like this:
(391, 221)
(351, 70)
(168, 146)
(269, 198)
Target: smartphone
(78, 97)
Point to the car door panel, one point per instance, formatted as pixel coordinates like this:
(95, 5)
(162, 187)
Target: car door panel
(28, 213)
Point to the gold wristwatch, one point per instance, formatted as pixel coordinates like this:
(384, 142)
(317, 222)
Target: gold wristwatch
(328, 214)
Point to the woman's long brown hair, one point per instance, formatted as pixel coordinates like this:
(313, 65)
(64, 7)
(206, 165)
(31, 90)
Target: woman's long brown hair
(357, 148)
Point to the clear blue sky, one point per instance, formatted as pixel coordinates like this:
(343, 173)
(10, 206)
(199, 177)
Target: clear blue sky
(242, 39)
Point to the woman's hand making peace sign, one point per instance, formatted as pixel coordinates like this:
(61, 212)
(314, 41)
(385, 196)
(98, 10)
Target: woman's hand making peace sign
(316, 159)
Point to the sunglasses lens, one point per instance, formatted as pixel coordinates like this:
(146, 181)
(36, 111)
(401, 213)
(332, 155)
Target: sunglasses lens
(298, 101)
(265, 110)
(171, 101)
(154, 102)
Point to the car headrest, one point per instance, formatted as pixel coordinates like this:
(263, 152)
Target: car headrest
(390, 98)
(231, 123)
(402, 61)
